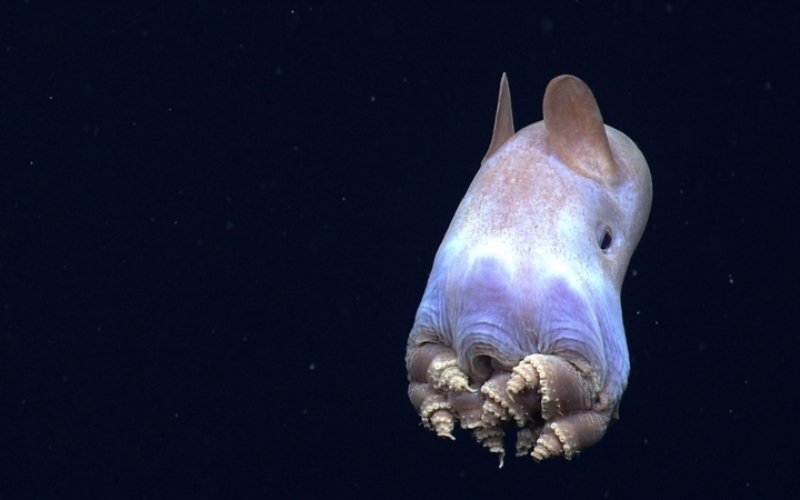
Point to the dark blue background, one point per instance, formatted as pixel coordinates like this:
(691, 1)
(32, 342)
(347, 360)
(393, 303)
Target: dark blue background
(217, 219)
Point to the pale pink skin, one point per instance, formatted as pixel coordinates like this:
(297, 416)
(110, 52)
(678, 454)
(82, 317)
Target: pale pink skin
(521, 271)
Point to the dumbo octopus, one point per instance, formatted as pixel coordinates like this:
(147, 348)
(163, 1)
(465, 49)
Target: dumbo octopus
(521, 322)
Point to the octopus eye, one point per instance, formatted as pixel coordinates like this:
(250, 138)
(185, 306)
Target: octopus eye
(604, 238)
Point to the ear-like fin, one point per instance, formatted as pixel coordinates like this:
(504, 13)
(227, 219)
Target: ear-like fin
(503, 119)
(575, 129)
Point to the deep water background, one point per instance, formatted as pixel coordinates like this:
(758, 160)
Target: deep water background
(217, 219)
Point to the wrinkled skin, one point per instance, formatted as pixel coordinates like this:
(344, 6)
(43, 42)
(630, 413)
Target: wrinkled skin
(521, 322)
